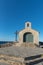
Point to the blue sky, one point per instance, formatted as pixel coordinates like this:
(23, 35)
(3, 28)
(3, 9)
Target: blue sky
(14, 13)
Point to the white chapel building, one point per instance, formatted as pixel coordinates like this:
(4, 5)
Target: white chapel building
(29, 35)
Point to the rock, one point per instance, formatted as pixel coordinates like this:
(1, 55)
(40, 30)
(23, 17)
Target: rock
(2, 63)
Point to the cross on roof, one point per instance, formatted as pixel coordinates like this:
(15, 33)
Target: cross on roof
(16, 33)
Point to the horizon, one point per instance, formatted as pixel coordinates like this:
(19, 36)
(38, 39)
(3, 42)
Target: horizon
(14, 14)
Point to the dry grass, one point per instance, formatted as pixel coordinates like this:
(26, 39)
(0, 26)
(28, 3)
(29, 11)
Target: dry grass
(11, 60)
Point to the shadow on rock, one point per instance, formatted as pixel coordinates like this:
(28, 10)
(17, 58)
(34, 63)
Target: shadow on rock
(32, 57)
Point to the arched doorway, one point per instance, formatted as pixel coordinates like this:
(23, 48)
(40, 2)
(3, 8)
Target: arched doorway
(28, 37)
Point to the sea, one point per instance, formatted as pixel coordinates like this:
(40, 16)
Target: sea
(4, 42)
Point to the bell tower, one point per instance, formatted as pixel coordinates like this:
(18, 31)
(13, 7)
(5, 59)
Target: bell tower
(27, 25)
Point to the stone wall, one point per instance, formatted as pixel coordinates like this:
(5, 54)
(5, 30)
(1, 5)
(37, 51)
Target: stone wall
(35, 34)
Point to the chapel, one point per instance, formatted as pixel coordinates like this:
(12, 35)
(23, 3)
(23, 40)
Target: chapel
(28, 35)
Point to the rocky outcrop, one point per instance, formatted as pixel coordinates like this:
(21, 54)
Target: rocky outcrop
(21, 55)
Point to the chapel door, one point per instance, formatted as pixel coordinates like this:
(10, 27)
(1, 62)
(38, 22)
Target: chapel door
(28, 37)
